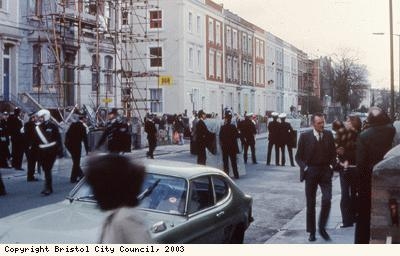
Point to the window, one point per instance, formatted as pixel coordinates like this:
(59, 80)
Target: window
(244, 43)
(229, 67)
(218, 33)
(125, 15)
(235, 39)
(95, 73)
(198, 25)
(108, 64)
(155, 19)
(199, 58)
(90, 6)
(3, 4)
(235, 68)
(191, 56)
(210, 30)
(250, 72)
(221, 188)
(258, 48)
(190, 22)
(156, 100)
(200, 194)
(228, 37)
(38, 7)
(219, 65)
(211, 59)
(37, 64)
(155, 57)
(244, 71)
(262, 50)
(250, 45)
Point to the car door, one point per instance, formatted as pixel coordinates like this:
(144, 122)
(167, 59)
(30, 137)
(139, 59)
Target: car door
(201, 227)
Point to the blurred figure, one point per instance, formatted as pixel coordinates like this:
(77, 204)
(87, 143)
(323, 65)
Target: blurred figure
(2, 187)
(14, 125)
(116, 189)
(248, 131)
(345, 140)
(75, 135)
(48, 144)
(228, 136)
(372, 144)
(136, 132)
(31, 152)
(286, 134)
(193, 143)
(151, 130)
(273, 138)
(179, 127)
(4, 142)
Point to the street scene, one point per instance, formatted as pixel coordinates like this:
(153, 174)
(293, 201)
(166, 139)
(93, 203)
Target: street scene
(199, 121)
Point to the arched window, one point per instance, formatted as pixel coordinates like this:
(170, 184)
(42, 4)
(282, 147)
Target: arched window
(95, 73)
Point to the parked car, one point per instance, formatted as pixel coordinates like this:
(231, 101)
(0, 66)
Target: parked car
(181, 203)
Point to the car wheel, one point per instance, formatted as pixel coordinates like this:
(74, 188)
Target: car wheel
(238, 235)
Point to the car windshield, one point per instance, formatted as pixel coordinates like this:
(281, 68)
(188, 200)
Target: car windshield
(159, 193)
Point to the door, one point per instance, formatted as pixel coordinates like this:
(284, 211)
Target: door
(6, 78)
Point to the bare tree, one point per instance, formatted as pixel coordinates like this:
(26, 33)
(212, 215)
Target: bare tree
(349, 82)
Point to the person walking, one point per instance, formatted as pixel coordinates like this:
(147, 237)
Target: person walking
(345, 141)
(116, 190)
(228, 136)
(273, 138)
(136, 132)
(202, 138)
(248, 131)
(286, 134)
(48, 143)
(151, 130)
(372, 144)
(31, 151)
(14, 125)
(75, 135)
(179, 127)
(315, 155)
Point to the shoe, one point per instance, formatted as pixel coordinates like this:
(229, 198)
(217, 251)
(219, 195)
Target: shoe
(324, 235)
(346, 226)
(312, 238)
(255, 162)
(47, 192)
(32, 179)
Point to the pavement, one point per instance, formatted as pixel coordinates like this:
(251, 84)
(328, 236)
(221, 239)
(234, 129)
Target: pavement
(294, 232)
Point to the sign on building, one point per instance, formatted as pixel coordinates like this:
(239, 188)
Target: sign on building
(165, 80)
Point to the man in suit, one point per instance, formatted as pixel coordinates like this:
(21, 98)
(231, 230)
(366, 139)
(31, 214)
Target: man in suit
(248, 131)
(372, 145)
(315, 155)
(273, 137)
(76, 134)
(151, 130)
(228, 136)
(31, 152)
(285, 136)
(14, 125)
(202, 137)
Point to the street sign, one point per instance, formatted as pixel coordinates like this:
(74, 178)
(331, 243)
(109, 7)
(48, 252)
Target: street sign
(107, 100)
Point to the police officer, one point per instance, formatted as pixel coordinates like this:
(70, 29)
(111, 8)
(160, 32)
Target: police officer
(273, 137)
(4, 142)
(14, 125)
(31, 152)
(116, 133)
(74, 137)
(228, 136)
(248, 131)
(151, 130)
(48, 143)
(286, 134)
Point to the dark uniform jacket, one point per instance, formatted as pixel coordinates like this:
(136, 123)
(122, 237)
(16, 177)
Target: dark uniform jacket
(285, 133)
(273, 131)
(202, 133)
(228, 136)
(117, 135)
(150, 129)
(248, 130)
(74, 137)
(52, 134)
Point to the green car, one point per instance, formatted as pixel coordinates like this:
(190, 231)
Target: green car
(181, 203)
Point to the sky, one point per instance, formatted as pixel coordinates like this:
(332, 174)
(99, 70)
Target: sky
(331, 27)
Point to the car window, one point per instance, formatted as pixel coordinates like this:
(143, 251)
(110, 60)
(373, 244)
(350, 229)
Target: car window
(220, 187)
(163, 193)
(201, 194)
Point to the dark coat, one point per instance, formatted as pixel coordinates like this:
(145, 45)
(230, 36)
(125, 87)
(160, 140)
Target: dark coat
(74, 137)
(273, 131)
(52, 134)
(202, 133)
(306, 146)
(247, 130)
(286, 134)
(228, 136)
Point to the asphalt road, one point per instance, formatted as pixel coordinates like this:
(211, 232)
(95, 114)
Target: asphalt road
(278, 195)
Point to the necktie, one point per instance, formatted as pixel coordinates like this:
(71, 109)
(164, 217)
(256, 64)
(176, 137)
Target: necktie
(320, 136)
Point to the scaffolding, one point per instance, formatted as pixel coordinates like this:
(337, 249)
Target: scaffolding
(76, 34)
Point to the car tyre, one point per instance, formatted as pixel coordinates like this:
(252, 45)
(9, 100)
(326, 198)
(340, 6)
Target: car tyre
(238, 235)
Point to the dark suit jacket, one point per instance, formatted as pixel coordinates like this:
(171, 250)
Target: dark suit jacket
(305, 149)
(228, 136)
(74, 137)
